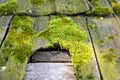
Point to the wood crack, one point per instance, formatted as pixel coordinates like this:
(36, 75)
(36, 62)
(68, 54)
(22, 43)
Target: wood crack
(7, 30)
(94, 50)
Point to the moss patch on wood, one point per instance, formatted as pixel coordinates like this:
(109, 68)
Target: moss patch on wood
(94, 2)
(116, 8)
(100, 11)
(64, 31)
(39, 2)
(17, 47)
(9, 7)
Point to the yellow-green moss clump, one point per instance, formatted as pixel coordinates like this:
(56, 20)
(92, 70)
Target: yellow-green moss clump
(116, 8)
(94, 2)
(64, 31)
(19, 40)
(17, 48)
(9, 7)
(98, 9)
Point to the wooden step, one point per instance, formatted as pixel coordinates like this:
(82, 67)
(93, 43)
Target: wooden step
(50, 71)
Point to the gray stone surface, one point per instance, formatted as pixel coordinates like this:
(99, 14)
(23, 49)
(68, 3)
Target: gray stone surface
(51, 56)
(50, 71)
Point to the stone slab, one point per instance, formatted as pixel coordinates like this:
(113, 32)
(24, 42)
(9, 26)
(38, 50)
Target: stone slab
(50, 71)
(51, 56)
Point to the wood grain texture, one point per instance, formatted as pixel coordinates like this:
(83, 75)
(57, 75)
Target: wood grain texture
(105, 33)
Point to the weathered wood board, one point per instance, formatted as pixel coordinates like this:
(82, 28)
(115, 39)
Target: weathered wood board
(13, 70)
(105, 35)
(92, 69)
(4, 23)
(50, 71)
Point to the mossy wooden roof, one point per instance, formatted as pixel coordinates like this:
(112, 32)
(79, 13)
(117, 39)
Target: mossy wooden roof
(102, 27)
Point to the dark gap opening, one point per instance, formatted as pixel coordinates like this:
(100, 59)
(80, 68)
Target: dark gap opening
(49, 53)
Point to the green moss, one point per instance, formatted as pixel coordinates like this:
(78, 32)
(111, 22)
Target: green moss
(84, 72)
(92, 26)
(101, 41)
(39, 2)
(112, 0)
(17, 47)
(110, 55)
(112, 37)
(9, 7)
(94, 2)
(100, 11)
(116, 8)
(19, 40)
(14, 70)
(64, 31)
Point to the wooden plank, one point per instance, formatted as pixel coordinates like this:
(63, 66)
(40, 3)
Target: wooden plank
(71, 6)
(92, 69)
(68, 7)
(81, 22)
(4, 23)
(13, 70)
(40, 8)
(11, 67)
(105, 35)
(50, 71)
